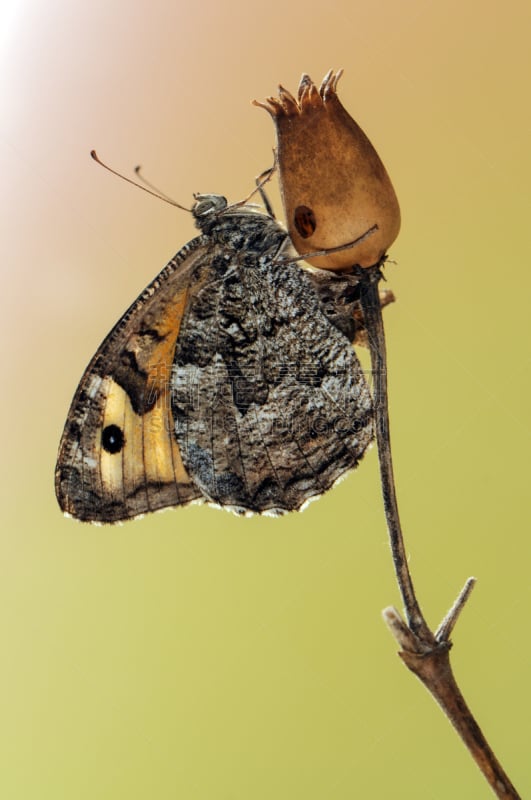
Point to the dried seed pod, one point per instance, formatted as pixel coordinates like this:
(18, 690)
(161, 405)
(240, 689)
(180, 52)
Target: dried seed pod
(334, 186)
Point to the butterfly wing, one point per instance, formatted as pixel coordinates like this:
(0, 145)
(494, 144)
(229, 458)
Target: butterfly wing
(118, 456)
(270, 403)
(225, 381)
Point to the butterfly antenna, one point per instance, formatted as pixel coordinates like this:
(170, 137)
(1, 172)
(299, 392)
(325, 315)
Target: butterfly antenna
(151, 186)
(156, 193)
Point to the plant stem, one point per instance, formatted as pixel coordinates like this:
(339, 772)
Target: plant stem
(436, 674)
(370, 300)
(426, 654)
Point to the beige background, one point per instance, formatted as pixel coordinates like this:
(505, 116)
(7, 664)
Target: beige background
(198, 656)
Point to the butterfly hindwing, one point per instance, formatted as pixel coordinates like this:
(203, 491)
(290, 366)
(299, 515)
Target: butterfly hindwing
(269, 400)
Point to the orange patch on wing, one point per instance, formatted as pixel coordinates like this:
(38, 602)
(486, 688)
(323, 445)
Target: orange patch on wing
(159, 367)
(162, 457)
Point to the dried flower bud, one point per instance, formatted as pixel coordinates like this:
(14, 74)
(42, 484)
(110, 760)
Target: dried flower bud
(334, 186)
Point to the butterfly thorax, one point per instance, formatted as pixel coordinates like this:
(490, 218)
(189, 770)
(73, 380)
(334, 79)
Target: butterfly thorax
(242, 228)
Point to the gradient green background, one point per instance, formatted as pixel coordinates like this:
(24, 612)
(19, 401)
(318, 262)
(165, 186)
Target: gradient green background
(193, 655)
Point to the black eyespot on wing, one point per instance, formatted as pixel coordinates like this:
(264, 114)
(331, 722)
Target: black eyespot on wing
(304, 220)
(112, 439)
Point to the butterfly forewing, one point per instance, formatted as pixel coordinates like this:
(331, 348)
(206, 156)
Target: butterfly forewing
(118, 457)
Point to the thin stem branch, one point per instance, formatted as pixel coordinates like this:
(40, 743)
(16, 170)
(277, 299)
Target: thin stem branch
(370, 300)
(444, 631)
(426, 654)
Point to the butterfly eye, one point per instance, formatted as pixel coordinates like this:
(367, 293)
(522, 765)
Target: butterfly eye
(304, 220)
(208, 204)
(112, 439)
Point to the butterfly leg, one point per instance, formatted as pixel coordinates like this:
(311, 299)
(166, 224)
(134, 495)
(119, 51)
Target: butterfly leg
(260, 181)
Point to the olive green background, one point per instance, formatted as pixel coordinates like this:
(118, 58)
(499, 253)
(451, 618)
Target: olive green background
(193, 655)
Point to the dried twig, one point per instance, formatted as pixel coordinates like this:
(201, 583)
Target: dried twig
(425, 653)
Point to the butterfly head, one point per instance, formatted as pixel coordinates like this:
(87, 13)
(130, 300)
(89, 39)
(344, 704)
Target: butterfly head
(207, 207)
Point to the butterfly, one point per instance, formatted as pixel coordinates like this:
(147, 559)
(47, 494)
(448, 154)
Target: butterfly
(231, 380)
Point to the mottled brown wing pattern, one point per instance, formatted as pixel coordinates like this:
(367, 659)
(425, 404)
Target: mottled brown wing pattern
(270, 403)
(225, 382)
